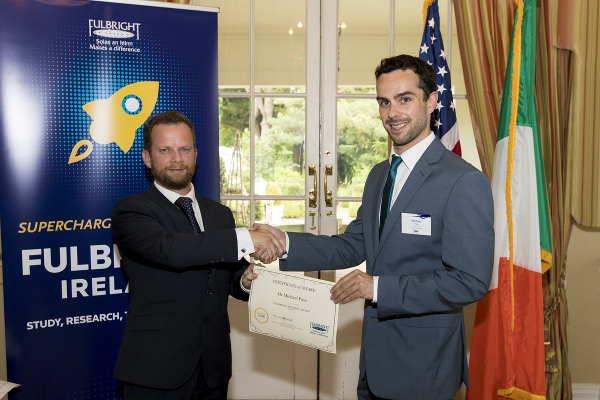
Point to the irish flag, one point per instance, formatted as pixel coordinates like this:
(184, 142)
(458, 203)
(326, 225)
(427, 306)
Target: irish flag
(507, 353)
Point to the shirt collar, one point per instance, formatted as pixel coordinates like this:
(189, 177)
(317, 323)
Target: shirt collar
(172, 196)
(411, 156)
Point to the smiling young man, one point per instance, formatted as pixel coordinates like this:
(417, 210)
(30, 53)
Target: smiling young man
(405, 106)
(425, 229)
(183, 258)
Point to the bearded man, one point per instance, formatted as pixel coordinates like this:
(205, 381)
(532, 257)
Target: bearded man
(183, 257)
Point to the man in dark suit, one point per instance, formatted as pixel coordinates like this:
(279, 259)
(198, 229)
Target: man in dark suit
(183, 258)
(425, 229)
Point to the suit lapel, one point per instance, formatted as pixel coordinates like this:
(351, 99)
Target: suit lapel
(207, 218)
(177, 216)
(374, 209)
(210, 225)
(417, 177)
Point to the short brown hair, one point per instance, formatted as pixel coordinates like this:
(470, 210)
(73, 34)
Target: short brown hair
(165, 118)
(421, 68)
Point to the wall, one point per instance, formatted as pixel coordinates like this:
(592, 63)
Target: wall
(583, 300)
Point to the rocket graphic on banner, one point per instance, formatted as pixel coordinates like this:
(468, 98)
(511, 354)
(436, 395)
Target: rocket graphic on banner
(117, 118)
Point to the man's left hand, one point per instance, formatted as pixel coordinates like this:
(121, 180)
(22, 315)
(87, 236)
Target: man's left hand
(355, 285)
(249, 276)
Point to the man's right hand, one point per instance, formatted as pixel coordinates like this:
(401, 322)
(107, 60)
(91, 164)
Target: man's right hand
(267, 248)
(277, 234)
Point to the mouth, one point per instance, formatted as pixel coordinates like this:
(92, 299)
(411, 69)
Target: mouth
(398, 126)
(177, 170)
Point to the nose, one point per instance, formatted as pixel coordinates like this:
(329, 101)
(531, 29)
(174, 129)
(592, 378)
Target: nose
(394, 110)
(177, 157)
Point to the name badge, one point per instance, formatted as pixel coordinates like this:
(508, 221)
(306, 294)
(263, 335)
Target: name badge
(416, 224)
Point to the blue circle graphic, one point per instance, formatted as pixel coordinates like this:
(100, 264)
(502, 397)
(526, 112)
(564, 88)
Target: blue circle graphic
(132, 104)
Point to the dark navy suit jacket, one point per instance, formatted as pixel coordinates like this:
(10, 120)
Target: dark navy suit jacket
(177, 314)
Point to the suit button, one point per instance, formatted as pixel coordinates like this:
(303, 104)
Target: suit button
(206, 321)
(209, 291)
(223, 259)
(212, 261)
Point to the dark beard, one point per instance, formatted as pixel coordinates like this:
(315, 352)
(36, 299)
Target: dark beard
(413, 132)
(169, 182)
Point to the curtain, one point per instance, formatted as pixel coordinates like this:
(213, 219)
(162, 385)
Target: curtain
(554, 83)
(484, 32)
(584, 173)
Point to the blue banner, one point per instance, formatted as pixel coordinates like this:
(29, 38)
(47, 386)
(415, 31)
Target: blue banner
(77, 81)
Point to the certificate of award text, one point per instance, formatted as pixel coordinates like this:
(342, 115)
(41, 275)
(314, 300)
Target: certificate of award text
(293, 308)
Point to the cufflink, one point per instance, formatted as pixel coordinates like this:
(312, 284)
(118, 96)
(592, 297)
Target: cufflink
(243, 250)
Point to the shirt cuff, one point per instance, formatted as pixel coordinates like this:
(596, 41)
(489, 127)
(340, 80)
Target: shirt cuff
(244, 242)
(375, 285)
(243, 288)
(287, 247)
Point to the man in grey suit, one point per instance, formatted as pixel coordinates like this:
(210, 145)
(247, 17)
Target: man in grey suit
(425, 229)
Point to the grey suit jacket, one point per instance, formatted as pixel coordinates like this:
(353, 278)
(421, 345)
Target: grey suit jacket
(413, 339)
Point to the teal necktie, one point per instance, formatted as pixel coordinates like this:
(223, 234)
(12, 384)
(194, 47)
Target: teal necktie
(388, 190)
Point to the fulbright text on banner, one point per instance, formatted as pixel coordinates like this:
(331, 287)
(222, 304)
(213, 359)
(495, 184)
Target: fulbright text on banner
(100, 256)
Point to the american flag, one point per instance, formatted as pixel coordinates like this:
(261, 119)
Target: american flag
(432, 51)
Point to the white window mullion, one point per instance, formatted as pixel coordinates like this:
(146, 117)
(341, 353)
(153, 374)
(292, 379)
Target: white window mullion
(252, 114)
(392, 25)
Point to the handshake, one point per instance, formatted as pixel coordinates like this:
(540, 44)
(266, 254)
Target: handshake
(269, 243)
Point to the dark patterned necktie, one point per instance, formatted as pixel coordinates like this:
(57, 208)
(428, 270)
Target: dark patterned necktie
(185, 205)
(388, 191)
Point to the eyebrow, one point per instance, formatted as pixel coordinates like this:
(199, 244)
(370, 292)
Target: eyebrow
(404, 94)
(396, 96)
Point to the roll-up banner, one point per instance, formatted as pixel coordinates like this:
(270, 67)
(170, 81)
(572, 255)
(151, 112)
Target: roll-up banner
(77, 81)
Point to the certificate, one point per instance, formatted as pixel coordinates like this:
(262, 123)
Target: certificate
(293, 308)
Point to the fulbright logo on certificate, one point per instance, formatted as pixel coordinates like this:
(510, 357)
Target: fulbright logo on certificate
(319, 329)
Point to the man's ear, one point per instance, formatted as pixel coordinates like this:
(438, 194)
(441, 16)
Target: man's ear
(432, 102)
(147, 159)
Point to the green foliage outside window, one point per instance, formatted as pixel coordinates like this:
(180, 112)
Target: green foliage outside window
(280, 144)
(362, 141)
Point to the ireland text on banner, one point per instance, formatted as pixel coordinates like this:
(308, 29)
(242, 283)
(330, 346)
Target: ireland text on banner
(432, 51)
(507, 353)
